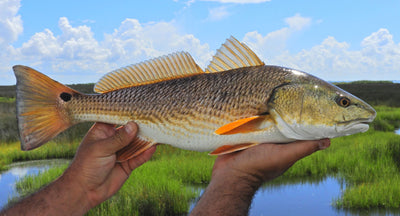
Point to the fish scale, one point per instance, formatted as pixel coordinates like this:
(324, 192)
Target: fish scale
(237, 103)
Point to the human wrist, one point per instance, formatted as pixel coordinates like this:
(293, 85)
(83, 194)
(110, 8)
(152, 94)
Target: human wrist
(228, 193)
(243, 180)
(71, 187)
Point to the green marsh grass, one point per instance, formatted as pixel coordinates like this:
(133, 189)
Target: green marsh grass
(11, 152)
(159, 187)
(387, 119)
(368, 163)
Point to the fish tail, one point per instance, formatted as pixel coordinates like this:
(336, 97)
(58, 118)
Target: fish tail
(41, 107)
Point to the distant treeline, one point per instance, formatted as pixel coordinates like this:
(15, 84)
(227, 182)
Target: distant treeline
(375, 93)
(365, 82)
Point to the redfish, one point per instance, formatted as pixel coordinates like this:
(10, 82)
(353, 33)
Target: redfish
(236, 103)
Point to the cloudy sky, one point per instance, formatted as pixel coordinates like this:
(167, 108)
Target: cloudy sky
(79, 41)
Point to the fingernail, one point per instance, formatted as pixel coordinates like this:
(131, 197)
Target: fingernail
(129, 127)
(323, 144)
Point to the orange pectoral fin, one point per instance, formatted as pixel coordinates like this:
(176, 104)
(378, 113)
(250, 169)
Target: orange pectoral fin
(233, 127)
(135, 148)
(231, 148)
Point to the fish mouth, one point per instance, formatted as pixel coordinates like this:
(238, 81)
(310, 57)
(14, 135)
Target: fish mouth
(358, 121)
(354, 126)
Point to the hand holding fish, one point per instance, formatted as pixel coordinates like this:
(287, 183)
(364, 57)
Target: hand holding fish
(95, 167)
(236, 177)
(93, 176)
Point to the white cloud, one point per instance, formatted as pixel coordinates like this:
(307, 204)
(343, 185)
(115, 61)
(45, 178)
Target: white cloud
(218, 13)
(274, 42)
(10, 22)
(297, 22)
(133, 41)
(378, 59)
(76, 50)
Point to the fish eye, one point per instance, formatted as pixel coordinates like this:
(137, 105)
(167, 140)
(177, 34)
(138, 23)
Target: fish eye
(343, 101)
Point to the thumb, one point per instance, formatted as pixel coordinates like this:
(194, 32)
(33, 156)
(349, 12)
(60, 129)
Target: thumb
(297, 150)
(122, 137)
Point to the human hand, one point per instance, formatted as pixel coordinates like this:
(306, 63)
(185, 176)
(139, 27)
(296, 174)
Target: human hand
(237, 176)
(265, 161)
(95, 169)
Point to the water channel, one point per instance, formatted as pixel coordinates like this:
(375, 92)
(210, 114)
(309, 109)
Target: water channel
(19, 170)
(304, 197)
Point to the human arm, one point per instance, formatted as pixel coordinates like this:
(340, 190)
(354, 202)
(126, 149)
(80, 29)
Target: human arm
(237, 176)
(93, 176)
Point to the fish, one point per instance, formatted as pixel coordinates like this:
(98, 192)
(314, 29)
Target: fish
(235, 103)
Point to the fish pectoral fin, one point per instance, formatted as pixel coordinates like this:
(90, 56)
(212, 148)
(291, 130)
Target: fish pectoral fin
(240, 126)
(226, 149)
(134, 149)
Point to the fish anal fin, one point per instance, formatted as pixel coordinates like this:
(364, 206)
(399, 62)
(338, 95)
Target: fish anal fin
(134, 149)
(172, 66)
(233, 54)
(244, 125)
(226, 149)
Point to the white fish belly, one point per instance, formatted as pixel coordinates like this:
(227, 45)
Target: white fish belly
(205, 139)
(194, 138)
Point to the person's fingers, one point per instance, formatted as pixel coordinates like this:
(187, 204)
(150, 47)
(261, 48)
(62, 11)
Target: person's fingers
(100, 131)
(122, 137)
(142, 158)
(131, 164)
(295, 151)
(121, 171)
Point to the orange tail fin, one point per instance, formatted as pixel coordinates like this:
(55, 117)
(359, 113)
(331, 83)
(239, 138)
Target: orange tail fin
(41, 104)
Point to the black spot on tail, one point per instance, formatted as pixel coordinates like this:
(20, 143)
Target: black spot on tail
(65, 96)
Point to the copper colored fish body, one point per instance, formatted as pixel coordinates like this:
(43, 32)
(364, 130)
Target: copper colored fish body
(237, 103)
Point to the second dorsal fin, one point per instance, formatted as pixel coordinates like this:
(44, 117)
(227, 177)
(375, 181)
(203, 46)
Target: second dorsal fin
(232, 55)
(176, 65)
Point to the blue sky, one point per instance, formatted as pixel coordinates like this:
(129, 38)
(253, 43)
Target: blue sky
(79, 41)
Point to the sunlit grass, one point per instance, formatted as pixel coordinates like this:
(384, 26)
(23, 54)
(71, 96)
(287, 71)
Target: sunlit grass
(387, 119)
(11, 152)
(159, 187)
(368, 163)
(7, 99)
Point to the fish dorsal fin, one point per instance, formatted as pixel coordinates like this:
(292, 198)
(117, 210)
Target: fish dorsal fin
(232, 55)
(172, 66)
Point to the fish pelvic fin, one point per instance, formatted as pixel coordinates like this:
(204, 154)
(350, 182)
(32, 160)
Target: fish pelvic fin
(226, 149)
(41, 103)
(134, 149)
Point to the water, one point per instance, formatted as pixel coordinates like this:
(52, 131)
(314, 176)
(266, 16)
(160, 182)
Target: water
(315, 197)
(397, 131)
(310, 198)
(18, 171)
